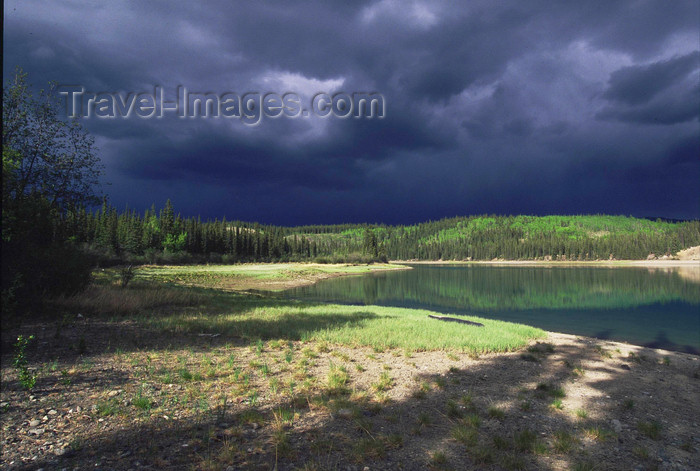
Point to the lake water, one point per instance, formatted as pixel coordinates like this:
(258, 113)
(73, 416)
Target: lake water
(655, 307)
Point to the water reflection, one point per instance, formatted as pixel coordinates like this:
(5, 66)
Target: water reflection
(654, 307)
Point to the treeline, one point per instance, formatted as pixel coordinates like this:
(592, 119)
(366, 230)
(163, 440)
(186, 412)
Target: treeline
(163, 236)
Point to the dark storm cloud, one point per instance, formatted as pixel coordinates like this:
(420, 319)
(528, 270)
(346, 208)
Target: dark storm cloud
(639, 84)
(665, 92)
(533, 107)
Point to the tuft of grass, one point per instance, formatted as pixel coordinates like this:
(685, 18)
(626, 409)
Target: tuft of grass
(496, 412)
(557, 392)
(465, 434)
(598, 433)
(368, 448)
(512, 461)
(583, 466)
(106, 408)
(525, 440)
(641, 452)
(557, 404)
(384, 383)
(473, 420)
(424, 419)
(467, 401)
(481, 454)
(651, 429)
(563, 441)
(581, 413)
(500, 443)
(438, 458)
(628, 404)
(337, 380)
(440, 382)
(142, 401)
(602, 352)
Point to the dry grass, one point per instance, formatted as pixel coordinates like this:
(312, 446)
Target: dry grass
(112, 299)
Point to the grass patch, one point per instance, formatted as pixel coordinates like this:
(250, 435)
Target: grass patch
(563, 441)
(598, 433)
(465, 435)
(337, 380)
(525, 440)
(650, 429)
(368, 449)
(496, 412)
(380, 328)
(384, 383)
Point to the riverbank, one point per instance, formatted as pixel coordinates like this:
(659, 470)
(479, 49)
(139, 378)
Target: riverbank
(255, 276)
(217, 378)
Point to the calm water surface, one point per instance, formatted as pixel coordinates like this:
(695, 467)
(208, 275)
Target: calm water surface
(654, 307)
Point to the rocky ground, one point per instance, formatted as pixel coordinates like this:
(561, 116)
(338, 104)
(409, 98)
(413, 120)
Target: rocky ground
(111, 395)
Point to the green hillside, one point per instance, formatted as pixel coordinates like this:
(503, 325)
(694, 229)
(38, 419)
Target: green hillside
(165, 237)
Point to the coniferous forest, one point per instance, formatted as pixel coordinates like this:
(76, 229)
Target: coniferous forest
(163, 236)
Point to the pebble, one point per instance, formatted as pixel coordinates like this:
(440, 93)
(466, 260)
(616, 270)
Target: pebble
(344, 413)
(36, 431)
(53, 412)
(34, 423)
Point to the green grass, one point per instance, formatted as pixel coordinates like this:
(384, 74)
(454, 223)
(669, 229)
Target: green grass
(378, 327)
(563, 441)
(651, 429)
(226, 275)
(465, 434)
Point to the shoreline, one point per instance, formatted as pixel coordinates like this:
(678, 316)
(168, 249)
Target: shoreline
(547, 263)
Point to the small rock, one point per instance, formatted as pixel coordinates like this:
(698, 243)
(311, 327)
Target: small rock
(34, 423)
(616, 425)
(4, 404)
(113, 393)
(344, 413)
(36, 431)
(53, 412)
(625, 366)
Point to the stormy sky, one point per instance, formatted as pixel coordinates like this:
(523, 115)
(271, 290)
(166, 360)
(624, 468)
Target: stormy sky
(490, 107)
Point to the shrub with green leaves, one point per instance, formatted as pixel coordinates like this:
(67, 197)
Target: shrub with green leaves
(26, 378)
